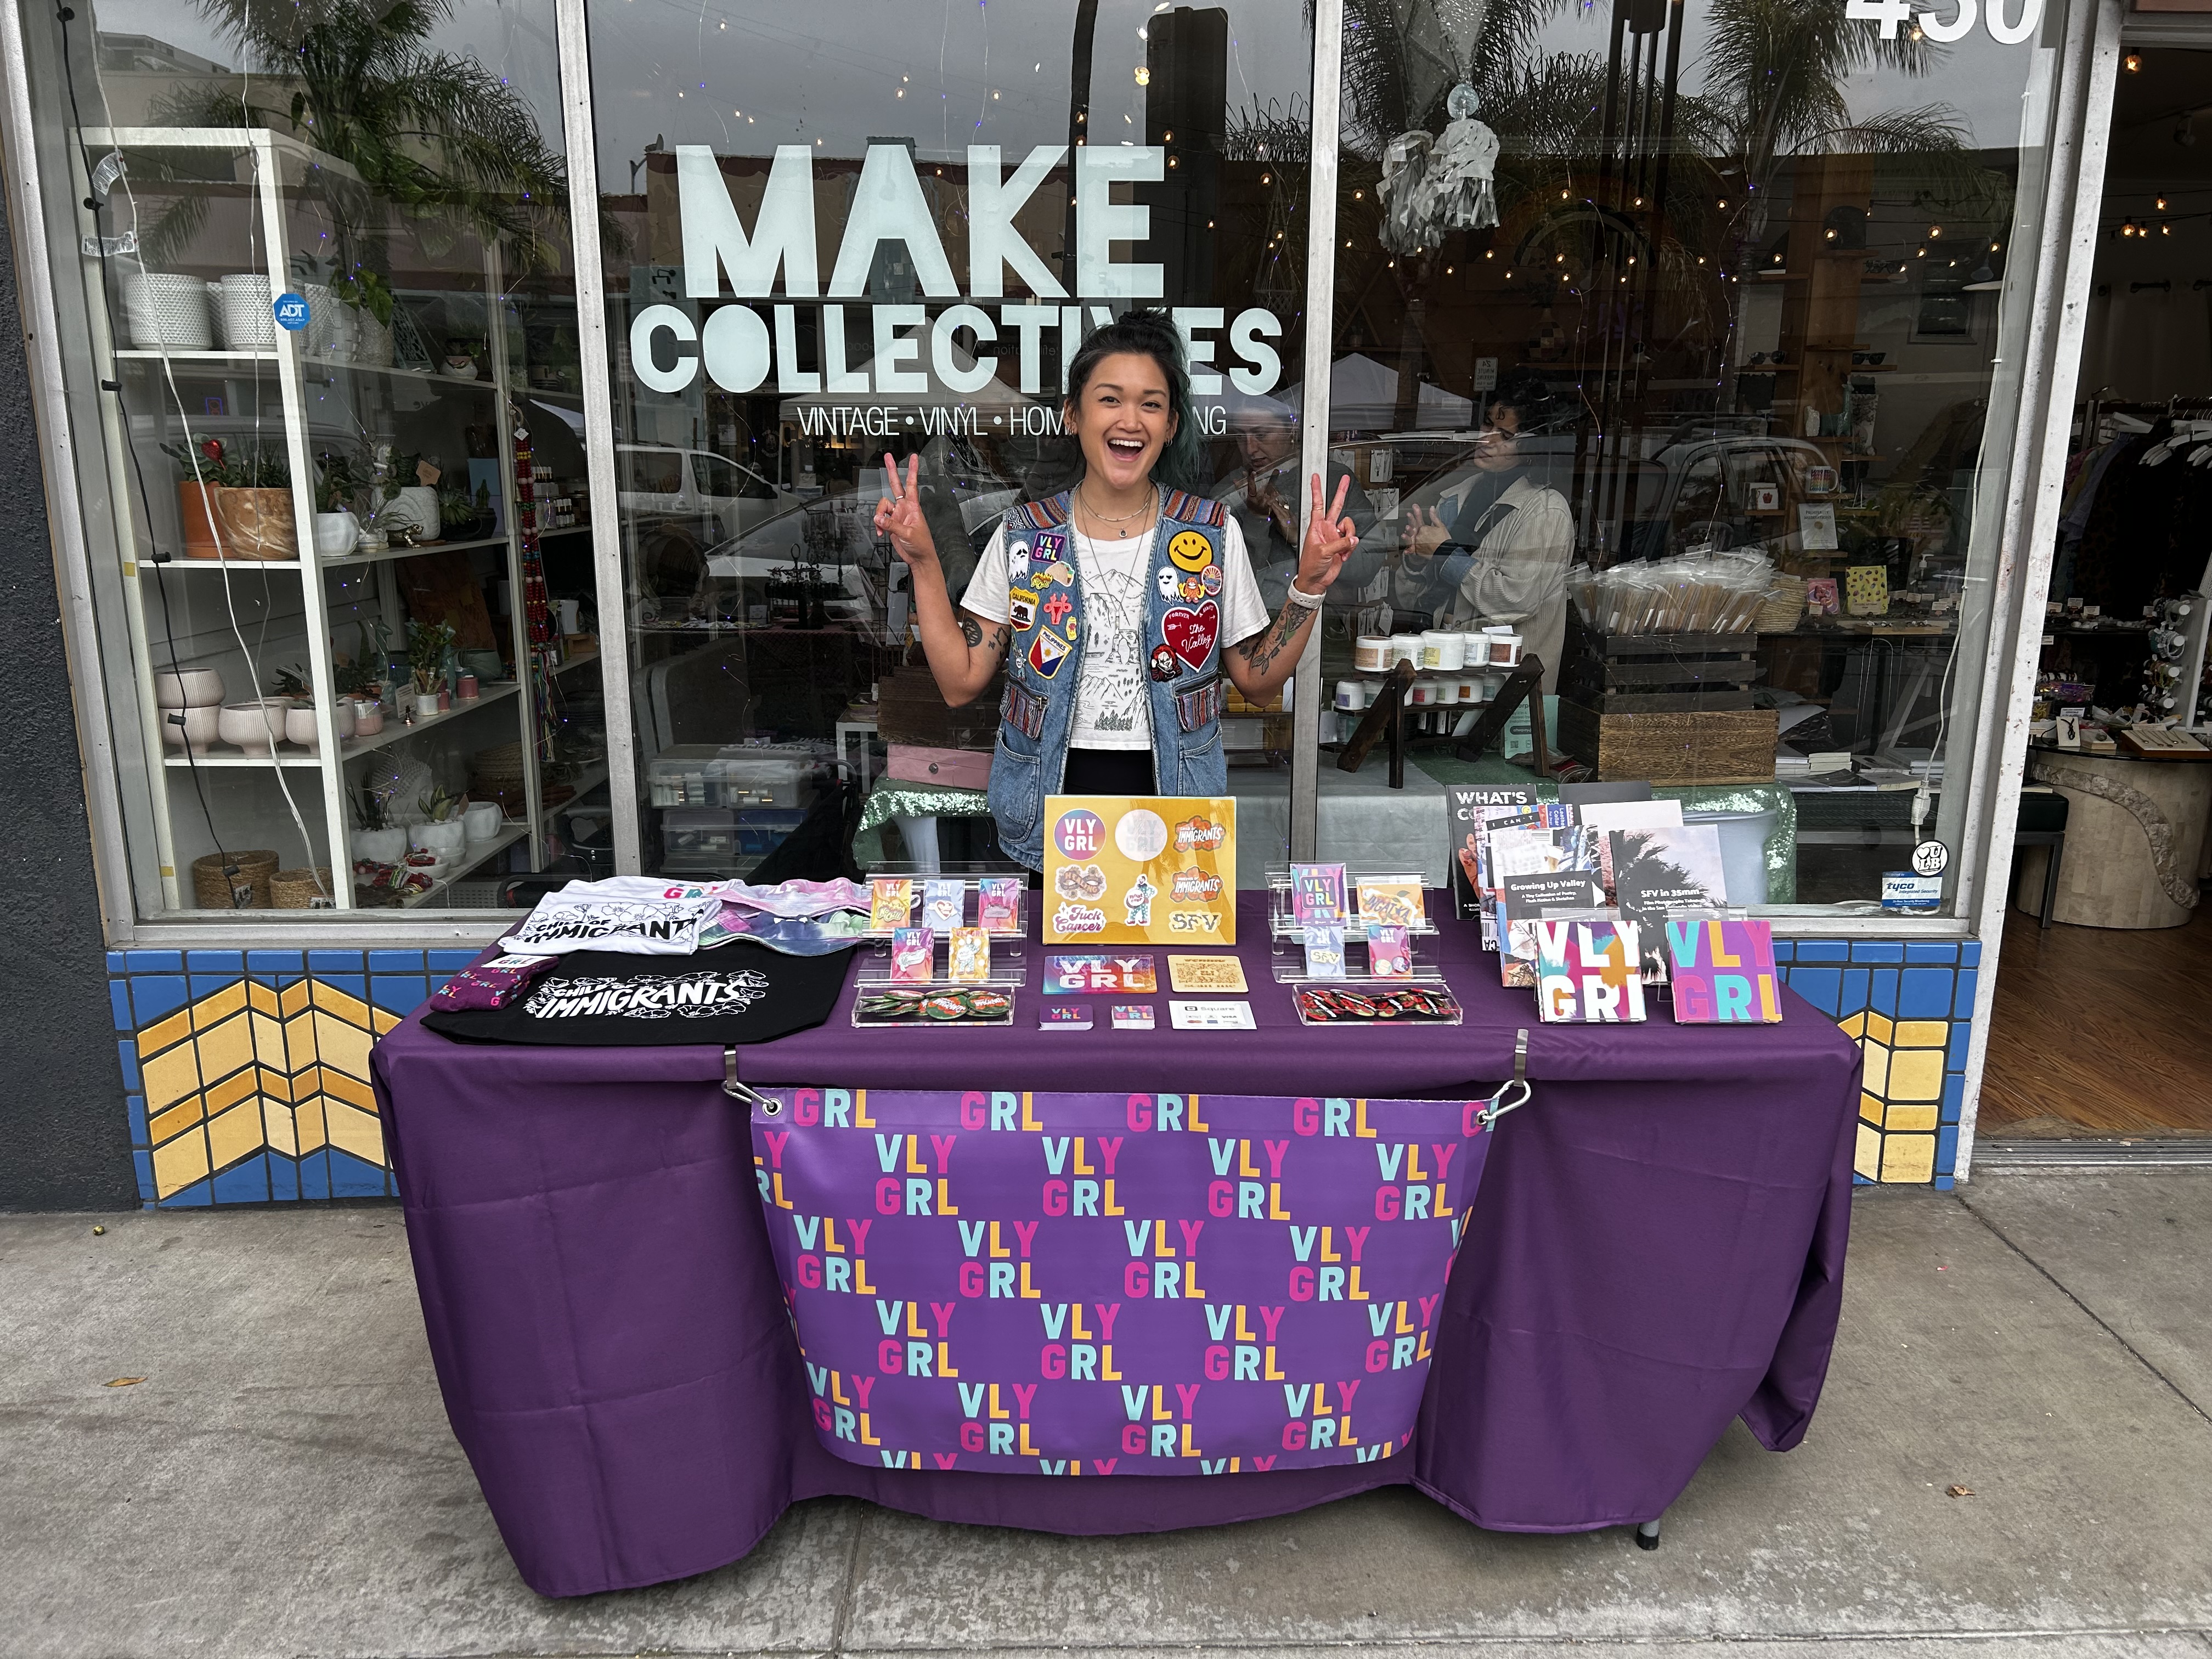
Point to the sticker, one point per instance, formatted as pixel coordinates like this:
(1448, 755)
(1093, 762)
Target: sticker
(1190, 633)
(1902, 891)
(291, 311)
(1199, 835)
(1137, 902)
(1187, 886)
(1168, 580)
(1022, 609)
(1930, 858)
(1190, 551)
(1047, 653)
(1192, 589)
(1078, 919)
(1141, 835)
(1057, 607)
(1079, 881)
(1210, 578)
(1163, 663)
(1081, 835)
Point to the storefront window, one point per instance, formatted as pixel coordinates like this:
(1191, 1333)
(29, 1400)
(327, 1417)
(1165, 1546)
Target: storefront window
(319, 327)
(1668, 339)
(837, 232)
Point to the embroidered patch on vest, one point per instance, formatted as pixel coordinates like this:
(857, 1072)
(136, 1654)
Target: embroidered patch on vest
(1190, 551)
(1058, 572)
(1190, 633)
(1022, 609)
(1047, 653)
(1057, 607)
(1210, 578)
(1191, 588)
(1164, 664)
(1049, 545)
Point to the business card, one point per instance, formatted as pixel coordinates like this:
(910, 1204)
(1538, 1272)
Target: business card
(1187, 1016)
(1132, 1017)
(1065, 1017)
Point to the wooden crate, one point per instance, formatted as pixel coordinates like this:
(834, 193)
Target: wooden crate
(1708, 745)
(1658, 673)
(913, 710)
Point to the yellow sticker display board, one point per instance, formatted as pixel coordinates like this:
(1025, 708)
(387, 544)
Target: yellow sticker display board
(1140, 870)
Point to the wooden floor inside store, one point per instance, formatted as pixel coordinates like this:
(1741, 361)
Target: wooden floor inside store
(2100, 1032)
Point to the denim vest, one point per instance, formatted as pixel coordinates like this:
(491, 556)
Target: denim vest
(1182, 660)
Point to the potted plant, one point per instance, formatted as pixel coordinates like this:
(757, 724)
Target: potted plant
(427, 644)
(464, 517)
(249, 496)
(378, 839)
(367, 295)
(203, 473)
(338, 531)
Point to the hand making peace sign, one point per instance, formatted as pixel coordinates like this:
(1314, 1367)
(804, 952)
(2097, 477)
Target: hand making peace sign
(898, 515)
(1330, 537)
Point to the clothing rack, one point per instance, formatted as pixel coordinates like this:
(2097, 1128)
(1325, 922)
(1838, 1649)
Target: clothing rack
(2098, 404)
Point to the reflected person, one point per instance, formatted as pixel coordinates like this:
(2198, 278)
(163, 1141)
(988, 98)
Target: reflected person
(1503, 557)
(1262, 491)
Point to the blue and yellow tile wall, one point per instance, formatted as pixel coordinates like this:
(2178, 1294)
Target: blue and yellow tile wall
(1911, 1008)
(248, 1082)
(247, 1072)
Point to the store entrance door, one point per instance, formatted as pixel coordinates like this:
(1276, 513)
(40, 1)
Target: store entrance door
(2099, 1031)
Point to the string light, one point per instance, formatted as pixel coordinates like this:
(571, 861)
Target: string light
(2161, 204)
(2132, 63)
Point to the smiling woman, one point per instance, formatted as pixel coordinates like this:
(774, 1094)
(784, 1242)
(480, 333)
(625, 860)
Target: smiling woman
(1075, 579)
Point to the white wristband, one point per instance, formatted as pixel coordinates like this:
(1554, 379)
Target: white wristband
(1299, 596)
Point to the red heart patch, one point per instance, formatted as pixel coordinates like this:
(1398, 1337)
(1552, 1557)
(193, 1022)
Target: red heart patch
(1190, 633)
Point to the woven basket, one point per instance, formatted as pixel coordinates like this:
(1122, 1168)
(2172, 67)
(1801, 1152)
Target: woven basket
(298, 889)
(212, 890)
(1784, 604)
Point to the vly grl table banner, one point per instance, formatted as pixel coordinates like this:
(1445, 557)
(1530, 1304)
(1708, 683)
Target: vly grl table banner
(1114, 1284)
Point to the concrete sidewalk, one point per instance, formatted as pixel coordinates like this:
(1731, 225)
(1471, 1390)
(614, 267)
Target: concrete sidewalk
(283, 1482)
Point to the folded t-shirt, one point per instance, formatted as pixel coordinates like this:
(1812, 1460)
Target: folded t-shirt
(739, 994)
(660, 920)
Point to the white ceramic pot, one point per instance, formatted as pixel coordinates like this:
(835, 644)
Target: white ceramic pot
(367, 717)
(248, 322)
(342, 717)
(257, 727)
(300, 727)
(380, 845)
(161, 308)
(426, 704)
(188, 688)
(483, 820)
(192, 728)
(417, 507)
(445, 840)
(337, 534)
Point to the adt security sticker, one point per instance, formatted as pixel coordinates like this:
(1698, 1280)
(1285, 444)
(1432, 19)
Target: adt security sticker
(291, 311)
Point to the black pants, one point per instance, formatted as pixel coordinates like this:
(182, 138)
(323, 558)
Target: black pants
(1109, 771)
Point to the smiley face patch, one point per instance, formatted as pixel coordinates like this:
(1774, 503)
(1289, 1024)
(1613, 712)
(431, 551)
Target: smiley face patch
(1190, 551)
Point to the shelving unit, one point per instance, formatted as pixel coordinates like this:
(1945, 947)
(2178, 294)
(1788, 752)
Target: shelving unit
(265, 207)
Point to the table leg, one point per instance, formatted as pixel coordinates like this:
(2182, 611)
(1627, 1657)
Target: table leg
(1647, 1535)
(2051, 879)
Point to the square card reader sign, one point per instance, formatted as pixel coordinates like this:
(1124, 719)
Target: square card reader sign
(1140, 870)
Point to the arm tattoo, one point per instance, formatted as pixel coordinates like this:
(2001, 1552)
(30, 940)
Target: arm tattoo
(1262, 649)
(972, 631)
(1000, 641)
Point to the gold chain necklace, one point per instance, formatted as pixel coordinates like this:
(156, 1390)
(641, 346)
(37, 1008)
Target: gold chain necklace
(1151, 501)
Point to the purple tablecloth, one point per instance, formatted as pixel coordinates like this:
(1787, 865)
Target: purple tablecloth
(1658, 1245)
